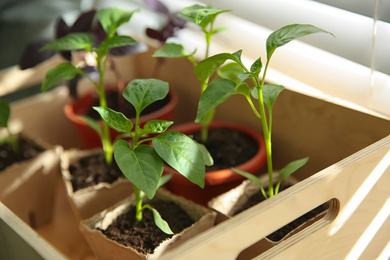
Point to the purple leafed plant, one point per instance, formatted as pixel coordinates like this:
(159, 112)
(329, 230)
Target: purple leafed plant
(85, 23)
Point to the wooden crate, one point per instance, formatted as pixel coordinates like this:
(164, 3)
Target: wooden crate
(349, 162)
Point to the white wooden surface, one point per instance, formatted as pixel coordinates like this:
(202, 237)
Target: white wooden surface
(360, 230)
(20, 241)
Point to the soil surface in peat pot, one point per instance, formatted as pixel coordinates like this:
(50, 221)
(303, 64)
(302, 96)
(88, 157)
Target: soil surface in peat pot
(120, 104)
(228, 147)
(282, 232)
(145, 236)
(92, 170)
(27, 150)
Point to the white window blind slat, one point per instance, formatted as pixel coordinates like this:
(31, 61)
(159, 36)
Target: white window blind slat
(353, 67)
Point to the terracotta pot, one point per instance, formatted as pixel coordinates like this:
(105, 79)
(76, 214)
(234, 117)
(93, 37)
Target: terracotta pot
(105, 248)
(89, 138)
(219, 181)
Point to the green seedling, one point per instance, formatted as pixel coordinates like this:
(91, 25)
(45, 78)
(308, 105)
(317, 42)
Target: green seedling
(110, 19)
(143, 164)
(204, 17)
(5, 112)
(218, 91)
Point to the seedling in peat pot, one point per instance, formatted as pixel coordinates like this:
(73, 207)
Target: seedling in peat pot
(143, 164)
(110, 19)
(5, 112)
(218, 91)
(204, 17)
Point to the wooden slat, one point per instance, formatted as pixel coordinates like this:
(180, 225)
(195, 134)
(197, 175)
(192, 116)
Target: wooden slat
(19, 241)
(359, 183)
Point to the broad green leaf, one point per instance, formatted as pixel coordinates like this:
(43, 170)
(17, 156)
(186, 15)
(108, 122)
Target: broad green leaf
(164, 179)
(231, 71)
(53, 76)
(249, 176)
(243, 89)
(244, 76)
(171, 50)
(218, 30)
(291, 168)
(142, 167)
(256, 67)
(143, 92)
(156, 126)
(115, 120)
(112, 18)
(197, 14)
(288, 33)
(270, 93)
(207, 67)
(208, 159)
(160, 222)
(71, 42)
(5, 112)
(92, 123)
(216, 93)
(117, 41)
(182, 154)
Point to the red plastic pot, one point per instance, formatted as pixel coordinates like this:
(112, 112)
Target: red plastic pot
(219, 181)
(89, 137)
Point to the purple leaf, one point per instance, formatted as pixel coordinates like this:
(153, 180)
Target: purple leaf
(154, 34)
(32, 56)
(84, 22)
(128, 50)
(157, 6)
(62, 28)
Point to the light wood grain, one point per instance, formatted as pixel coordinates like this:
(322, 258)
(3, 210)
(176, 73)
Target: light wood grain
(359, 183)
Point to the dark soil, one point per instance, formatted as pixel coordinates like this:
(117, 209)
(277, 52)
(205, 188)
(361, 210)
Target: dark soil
(145, 236)
(228, 147)
(92, 170)
(282, 232)
(27, 150)
(118, 103)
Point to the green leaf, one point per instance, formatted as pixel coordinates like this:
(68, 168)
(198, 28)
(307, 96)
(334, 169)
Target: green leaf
(143, 92)
(117, 41)
(5, 112)
(207, 158)
(164, 179)
(197, 14)
(156, 126)
(115, 120)
(182, 154)
(243, 89)
(160, 222)
(207, 67)
(112, 18)
(70, 42)
(256, 67)
(231, 71)
(291, 168)
(270, 93)
(216, 93)
(288, 33)
(53, 76)
(142, 167)
(250, 176)
(171, 50)
(92, 123)
(243, 76)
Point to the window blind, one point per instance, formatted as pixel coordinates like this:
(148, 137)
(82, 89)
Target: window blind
(352, 69)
